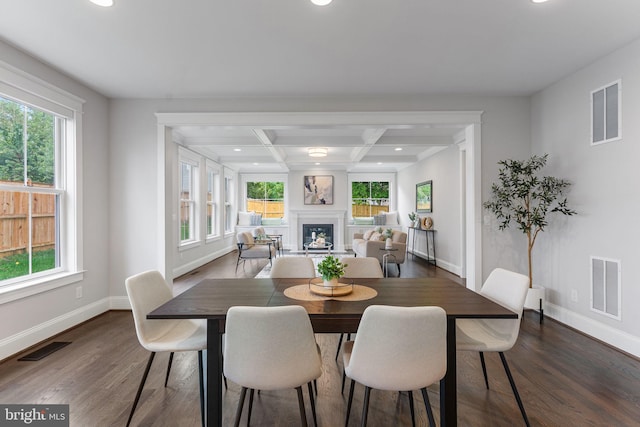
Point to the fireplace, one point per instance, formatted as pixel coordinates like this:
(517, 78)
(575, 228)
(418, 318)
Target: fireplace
(310, 230)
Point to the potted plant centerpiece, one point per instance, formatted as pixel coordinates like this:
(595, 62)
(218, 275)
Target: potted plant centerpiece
(522, 197)
(331, 269)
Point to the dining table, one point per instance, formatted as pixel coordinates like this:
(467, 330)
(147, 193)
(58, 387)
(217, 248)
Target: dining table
(210, 299)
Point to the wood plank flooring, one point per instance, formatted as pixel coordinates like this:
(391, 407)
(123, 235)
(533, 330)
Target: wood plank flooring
(564, 378)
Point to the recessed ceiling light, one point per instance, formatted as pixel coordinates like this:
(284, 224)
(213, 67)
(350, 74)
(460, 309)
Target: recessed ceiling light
(256, 164)
(538, 1)
(317, 163)
(237, 149)
(103, 3)
(321, 2)
(379, 163)
(398, 148)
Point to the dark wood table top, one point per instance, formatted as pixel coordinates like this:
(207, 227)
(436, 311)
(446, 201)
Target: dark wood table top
(211, 298)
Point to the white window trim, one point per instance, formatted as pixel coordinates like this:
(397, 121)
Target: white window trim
(193, 159)
(216, 169)
(619, 136)
(379, 177)
(232, 176)
(30, 90)
(244, 178)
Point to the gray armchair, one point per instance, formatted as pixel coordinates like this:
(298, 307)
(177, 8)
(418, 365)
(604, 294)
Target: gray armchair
(249, 248)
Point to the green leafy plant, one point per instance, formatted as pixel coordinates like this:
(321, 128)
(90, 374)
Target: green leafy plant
(522, 197)
(413, 216)
(331, 268)
(388, 233)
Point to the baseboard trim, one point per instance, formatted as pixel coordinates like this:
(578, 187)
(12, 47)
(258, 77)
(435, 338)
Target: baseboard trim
(192, 265)
(614, 337)
(451, 268)
(23, 340)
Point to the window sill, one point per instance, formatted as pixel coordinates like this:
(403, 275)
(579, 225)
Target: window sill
(32, 287)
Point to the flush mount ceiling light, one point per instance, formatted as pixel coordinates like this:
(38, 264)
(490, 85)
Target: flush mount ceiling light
(318, 152)
(321, 2)
(538, 1)
(103, 3)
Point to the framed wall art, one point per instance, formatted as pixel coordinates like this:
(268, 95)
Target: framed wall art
(424, 197)
(318, 189)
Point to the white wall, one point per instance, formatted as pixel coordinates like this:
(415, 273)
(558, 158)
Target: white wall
(27, 321)
(604, 193)
(444, 170)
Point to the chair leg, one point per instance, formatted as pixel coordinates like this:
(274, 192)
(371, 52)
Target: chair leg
(344, 377)
(303, 414)
(427, 405)
(250, 406)
(313, 405)
(243, 393)
(349, 402)
(412, 409)
(365, 406)
(339, 345)
(166, 380)
(201, 378)
(141, 386)
(514, 388)
(398, 269)
(484, 370)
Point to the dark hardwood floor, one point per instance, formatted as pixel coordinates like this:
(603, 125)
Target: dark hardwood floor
(564, 378)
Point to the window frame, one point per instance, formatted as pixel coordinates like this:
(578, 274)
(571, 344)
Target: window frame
(213, 179)
(194, 161)
(229, 202)
(390, 178)
(283, 178)
(26, 89)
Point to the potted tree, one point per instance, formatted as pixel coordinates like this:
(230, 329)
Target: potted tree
(331, 269)
(523, 198)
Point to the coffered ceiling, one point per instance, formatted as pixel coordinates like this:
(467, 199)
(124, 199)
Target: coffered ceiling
(284, 148)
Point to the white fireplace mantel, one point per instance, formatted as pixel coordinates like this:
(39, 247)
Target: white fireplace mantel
(337, 217)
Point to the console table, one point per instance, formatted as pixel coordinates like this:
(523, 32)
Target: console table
(429, 235)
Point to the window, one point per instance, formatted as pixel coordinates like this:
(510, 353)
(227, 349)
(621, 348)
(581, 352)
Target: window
(188, 176)
(606, 118)
(39, 243)
(228, 203)
(266, 198)
(212, 201)
(369, 198)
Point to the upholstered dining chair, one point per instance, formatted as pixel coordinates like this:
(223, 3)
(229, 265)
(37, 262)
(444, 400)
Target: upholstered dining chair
(147, 291)
(271, 348)
(399, 349)
(359, 268)
(508, 289)
(293, 267)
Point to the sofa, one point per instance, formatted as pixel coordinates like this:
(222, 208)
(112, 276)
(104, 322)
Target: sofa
(372, 244)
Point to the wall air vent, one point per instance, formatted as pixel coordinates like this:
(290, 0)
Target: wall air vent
(606, 287)
(606, 113)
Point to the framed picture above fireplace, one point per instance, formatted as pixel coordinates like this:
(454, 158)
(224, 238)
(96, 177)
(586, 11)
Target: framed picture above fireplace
(318, 189)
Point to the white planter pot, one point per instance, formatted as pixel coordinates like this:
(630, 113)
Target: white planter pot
(331, 283)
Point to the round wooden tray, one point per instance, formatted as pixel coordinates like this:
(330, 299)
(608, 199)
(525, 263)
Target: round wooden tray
(317, 287)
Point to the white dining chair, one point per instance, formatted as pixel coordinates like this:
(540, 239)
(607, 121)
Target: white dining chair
(359, 268)
(508, 289)
(399, 349)
(147, 291)
(271, 348)
(293, 267)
